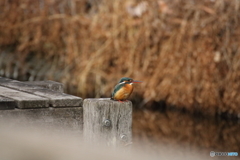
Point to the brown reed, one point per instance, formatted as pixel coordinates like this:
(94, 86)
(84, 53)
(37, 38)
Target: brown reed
(186, 52)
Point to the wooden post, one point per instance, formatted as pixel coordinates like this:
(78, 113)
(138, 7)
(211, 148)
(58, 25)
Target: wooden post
(107, 121)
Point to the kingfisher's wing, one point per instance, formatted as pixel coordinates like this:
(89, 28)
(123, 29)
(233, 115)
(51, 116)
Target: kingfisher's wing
(116, 88)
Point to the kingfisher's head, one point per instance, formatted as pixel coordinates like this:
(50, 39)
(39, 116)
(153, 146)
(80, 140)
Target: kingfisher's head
(126, 80)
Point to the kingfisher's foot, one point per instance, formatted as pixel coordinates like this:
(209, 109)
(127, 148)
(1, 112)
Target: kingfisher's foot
(122, 101)
(119, 100)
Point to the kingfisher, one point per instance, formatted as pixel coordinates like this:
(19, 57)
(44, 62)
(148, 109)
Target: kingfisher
(123, 89)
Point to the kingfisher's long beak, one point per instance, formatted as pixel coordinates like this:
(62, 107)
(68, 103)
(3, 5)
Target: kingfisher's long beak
(136, 81)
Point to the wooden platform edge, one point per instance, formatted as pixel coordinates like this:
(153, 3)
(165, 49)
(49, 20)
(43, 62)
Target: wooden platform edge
(48, 90)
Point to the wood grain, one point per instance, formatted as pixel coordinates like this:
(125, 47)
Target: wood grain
(23, 99)
(7, 103)
(52, 85)
(97, 111)
(41, 91)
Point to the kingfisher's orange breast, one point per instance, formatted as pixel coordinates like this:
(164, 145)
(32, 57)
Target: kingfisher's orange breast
(124, 92)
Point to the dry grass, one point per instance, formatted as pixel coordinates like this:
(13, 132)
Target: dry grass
(186, 52)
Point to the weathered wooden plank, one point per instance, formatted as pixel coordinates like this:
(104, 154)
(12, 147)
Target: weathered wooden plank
(107, 121)
(16, 84)
(23, 99)
(55, 86)
(7, 103)
(3, 79)
(56, 99)
(63, 119)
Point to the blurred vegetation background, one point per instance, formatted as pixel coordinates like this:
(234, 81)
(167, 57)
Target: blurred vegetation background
(186, 52)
